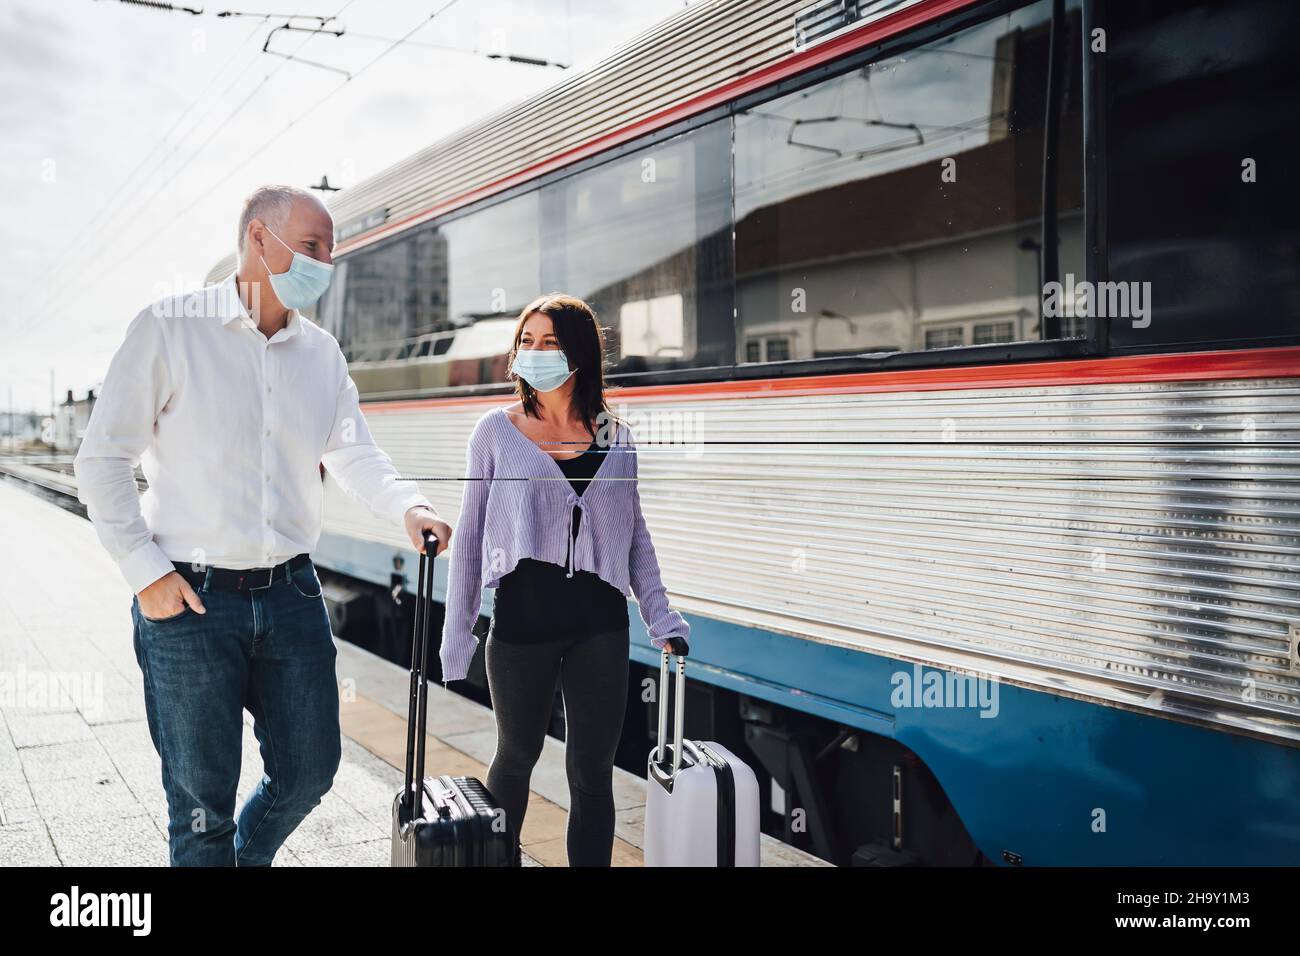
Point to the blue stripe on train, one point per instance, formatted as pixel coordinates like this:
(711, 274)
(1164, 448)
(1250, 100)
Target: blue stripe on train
(1030, 779)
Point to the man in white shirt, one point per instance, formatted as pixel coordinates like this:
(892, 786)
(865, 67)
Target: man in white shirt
(232, 402)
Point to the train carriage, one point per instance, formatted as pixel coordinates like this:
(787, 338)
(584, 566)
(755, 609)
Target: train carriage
(963, 344)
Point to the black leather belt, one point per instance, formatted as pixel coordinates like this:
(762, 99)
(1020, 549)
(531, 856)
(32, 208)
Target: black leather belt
(241, 579)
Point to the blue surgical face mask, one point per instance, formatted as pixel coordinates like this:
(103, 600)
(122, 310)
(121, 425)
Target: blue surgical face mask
(305, 281)
(543, 369)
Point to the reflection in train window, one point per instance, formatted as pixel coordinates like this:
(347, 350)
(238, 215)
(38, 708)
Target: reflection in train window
(449, 292)
(646, 240)
(494, 260)
(986, 333)
(898, 206)
(945, 338)
(652, 328)
(390, 298)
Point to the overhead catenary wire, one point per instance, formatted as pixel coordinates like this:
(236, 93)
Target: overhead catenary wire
(278, 16)
(470, 51)
(66, 290)
(266, 144)
(102, 220)
(321, 28)
(165, 7)
(318, 104)
(88, 230)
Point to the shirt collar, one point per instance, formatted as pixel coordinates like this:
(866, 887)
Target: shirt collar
(231, 308)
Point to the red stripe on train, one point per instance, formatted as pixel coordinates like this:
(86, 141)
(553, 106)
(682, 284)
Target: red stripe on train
(1184, 366)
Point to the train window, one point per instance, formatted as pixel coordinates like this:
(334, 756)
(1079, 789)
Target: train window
(390, 298)
(420, 295)
(494, 261)
(328, 312)
(1203, 200)
(646, 240)
(890, 207)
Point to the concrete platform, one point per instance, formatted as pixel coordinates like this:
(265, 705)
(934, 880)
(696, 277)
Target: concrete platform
(80, 781)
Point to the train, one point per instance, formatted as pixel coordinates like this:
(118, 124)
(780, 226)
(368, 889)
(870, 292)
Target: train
(962, 340)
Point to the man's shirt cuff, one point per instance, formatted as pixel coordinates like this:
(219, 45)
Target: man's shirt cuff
(413, 500)
(145, 565)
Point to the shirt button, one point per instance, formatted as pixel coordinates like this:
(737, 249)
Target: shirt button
(268, 433)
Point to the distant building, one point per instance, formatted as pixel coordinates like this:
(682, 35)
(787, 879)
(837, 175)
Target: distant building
(73, 417)
(18, 429)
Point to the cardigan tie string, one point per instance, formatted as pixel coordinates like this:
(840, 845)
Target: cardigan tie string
(574, 500)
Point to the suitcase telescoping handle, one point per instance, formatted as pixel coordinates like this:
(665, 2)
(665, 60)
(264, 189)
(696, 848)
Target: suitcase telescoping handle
(679, 707)
(416, 709)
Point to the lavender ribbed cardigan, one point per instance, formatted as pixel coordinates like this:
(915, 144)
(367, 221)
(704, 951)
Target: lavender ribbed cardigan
(517, 503)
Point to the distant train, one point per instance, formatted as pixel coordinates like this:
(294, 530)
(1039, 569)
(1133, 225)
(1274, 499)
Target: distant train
(968, 337)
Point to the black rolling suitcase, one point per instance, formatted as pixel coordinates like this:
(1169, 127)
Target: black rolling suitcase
(449, 821)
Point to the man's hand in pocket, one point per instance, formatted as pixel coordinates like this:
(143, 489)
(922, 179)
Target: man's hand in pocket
(168, 597)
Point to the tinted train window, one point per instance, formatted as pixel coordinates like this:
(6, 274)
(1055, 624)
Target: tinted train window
(450, 290)
(1201, 96)
(494, 260)
(646, 240)
(387, 301)
(897, 207)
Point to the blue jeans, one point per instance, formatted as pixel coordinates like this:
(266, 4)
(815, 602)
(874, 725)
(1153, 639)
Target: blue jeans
(271, 651)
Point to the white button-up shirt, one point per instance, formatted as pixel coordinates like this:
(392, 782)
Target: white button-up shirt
(230, 429)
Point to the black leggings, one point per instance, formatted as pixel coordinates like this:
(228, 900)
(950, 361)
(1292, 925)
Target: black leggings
(592, 672)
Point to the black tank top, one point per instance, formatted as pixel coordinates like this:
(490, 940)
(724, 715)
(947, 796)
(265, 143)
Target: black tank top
(536, 601)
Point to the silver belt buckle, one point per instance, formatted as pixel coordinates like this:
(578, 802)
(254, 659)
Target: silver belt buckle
(270, 579)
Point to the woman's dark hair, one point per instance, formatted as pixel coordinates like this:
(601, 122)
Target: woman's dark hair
(582, 340)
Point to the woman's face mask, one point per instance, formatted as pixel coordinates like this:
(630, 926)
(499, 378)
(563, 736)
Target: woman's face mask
(543, 369)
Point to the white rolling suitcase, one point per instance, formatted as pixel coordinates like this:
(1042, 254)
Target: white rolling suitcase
(701, 805)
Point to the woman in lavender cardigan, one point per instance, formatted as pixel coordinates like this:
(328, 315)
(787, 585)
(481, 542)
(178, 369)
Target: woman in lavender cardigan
(551, 518)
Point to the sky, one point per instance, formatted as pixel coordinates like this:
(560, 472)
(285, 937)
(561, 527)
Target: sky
(129, 137)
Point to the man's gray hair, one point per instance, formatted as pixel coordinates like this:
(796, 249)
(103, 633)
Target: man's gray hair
(272, 205)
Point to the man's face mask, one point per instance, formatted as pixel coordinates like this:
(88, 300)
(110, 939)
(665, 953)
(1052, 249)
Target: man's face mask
(305, 281)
